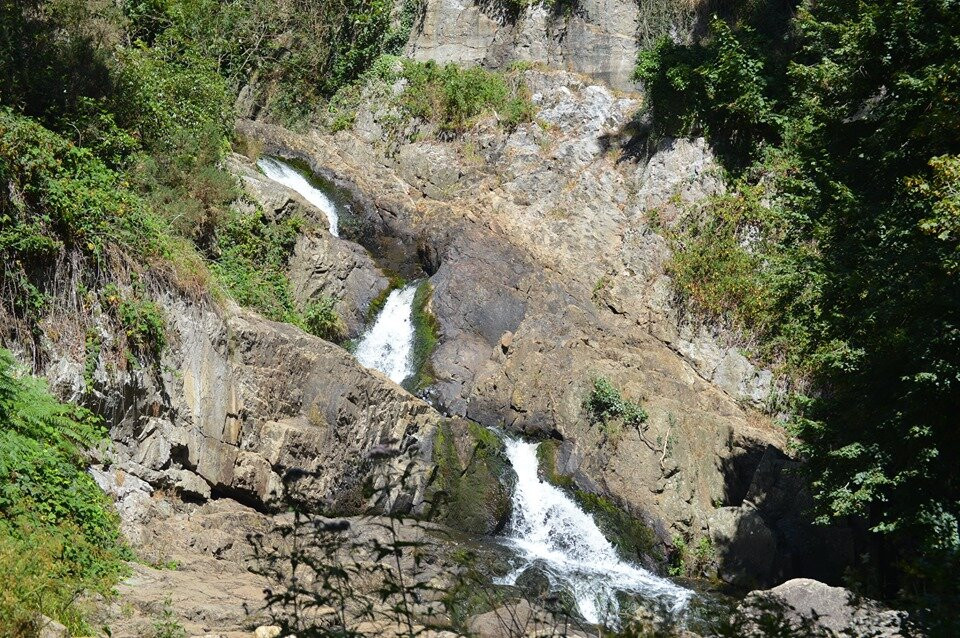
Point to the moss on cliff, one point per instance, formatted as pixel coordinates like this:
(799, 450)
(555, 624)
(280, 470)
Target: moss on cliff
(469, 491)
(630, 535)
(426, 335)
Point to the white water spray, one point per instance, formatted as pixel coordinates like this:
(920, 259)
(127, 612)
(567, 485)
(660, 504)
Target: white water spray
(388, 344)
(283, 173)
(549, 531)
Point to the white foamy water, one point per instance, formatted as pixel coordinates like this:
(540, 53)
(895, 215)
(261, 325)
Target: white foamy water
(387, 345)
(287, 175)
(550, 531)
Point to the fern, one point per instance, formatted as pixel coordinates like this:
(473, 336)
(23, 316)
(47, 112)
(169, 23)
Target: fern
(28, 408)
(49, 501)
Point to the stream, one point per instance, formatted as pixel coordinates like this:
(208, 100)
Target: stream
(548, 531)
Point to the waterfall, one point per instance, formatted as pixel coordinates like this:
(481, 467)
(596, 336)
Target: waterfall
(283, 173)
(551, 532)
(387, 345)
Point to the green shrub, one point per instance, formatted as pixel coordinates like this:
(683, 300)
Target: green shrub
(55, 195)
(449, 96)
(321, 319)
(141, 320)
(605, 404)
(253, 256)
(59, 535)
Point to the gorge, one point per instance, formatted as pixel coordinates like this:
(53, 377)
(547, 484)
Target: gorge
(445, 318)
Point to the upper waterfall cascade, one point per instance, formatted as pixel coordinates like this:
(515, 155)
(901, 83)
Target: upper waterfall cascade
(283, 173)
(387, 345)
(551, 532)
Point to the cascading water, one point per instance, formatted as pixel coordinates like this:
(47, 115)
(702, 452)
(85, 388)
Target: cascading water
(550, 532)
(290, 177)
(388, 345)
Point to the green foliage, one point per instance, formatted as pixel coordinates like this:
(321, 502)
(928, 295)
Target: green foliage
(452, 97)
(426, 333)
(141, 320)
(447, 96)
(320, 318)
(843, 116)
(718, 88)
(253, 255)
(56, 195)
(165, 96)
(605, 404)
(736, 264)
(167, 625)
(58, 533)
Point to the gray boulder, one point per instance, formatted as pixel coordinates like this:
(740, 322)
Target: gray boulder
(804, 607)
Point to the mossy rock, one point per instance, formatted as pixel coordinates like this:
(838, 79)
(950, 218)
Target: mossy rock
(633, 538)
(473, 479)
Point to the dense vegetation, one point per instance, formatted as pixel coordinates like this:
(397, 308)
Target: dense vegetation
(59, 535)
(836, 249)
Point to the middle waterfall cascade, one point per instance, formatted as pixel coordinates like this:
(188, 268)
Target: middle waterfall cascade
(283, 173)
(388, 345)
(551, 532)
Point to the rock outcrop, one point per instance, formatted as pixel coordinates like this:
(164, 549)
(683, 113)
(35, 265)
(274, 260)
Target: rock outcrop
(548, 274)
(598, 38)
(809, 608)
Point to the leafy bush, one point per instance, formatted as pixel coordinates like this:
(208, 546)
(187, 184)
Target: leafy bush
(56, 195)
(59, 535)
(841, 117)
(605, 403)
(141, 320)
(321, 319)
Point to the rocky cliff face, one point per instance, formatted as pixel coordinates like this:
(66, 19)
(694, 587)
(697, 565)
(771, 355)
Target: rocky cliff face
(598, 38)
(237, 400)
(547, 275)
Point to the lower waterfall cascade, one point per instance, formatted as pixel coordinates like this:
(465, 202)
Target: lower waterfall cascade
(549, 531)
